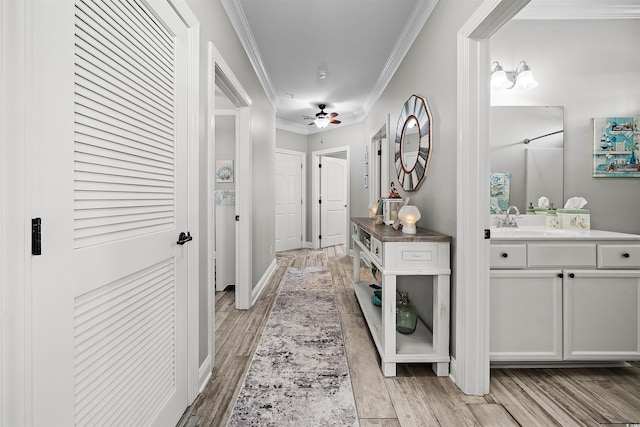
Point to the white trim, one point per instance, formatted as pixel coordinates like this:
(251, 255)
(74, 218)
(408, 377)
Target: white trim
(239, 21)
(204, 373)
(384, 158)
(472, 250)
(303, 193)
(581, 9)
(315, 192)
(262, 283)
(189, 19)
(417, 19)
(244, 209)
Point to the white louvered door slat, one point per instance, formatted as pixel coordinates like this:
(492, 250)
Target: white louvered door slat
(110, 286)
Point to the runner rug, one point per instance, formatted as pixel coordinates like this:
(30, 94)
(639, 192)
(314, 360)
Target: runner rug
(299, 374)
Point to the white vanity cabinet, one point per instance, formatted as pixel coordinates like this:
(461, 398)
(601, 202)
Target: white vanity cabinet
(394, 253)
(573, 297)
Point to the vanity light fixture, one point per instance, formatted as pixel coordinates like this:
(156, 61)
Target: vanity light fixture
(521, 78)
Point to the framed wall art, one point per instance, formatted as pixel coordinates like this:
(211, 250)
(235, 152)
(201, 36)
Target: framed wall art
(616, 152)
(224, 170)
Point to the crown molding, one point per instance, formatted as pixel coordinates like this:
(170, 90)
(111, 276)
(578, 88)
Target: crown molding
(412, 28)
(580, 9)
(241, 25)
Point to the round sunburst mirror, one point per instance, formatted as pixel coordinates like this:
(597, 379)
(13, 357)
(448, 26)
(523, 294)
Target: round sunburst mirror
(413, 142)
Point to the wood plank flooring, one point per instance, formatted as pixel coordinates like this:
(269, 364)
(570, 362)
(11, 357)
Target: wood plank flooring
(415, 397)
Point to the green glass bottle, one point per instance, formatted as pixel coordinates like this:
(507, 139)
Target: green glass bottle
(406, 317)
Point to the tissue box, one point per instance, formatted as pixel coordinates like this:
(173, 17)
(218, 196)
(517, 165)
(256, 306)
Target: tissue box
(574, 219)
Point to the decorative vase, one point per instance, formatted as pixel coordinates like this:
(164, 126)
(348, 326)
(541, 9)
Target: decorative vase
(406, 317)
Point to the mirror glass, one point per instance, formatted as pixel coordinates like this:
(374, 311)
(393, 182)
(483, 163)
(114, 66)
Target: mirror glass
(526, 156)
(410, 143)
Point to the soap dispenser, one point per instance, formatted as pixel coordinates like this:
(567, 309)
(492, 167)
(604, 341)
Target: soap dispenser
(530, 210)
(551, 219)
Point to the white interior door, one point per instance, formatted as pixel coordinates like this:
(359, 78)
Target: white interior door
(333, 208)
(109, 143)
(288, 202)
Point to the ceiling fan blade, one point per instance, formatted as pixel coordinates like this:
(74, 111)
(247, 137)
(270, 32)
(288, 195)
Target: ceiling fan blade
(311, 124)
(335, 122)
(332, 115)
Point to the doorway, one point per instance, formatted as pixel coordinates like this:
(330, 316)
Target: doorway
(335, 195)
(290, 199)
(379, 161)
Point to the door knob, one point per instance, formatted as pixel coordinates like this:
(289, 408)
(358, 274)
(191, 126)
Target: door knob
(184, 238)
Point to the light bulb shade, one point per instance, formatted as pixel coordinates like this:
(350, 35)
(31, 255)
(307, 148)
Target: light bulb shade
(409, 215)
(321, 122)
(500, 81)
(525, 81)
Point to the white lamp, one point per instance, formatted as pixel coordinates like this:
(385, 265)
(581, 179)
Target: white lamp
(409, 215)
(373, 208)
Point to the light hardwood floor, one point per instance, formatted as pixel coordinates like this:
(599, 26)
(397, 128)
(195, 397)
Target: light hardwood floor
(415, 397)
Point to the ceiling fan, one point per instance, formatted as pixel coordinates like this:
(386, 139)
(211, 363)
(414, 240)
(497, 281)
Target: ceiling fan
(323, 119)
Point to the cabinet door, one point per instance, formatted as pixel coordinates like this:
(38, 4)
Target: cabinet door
(525, 315)
(602, 315)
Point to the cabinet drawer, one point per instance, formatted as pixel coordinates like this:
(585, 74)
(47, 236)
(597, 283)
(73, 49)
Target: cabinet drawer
(618, 256)
(376, 249)
(415, 256)
(561, 255)
(509, 256)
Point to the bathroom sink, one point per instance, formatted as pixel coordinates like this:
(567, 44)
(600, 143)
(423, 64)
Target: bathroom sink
(524, 232)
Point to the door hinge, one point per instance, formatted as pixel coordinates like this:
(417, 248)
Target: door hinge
(320, 237)
(36, 236)
(319, 165)
(320, 201)
(237, 217)
(487, 233)
(379, 152)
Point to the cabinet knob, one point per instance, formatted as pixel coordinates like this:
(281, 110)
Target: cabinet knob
(626, 255)
(505, 255)
(560, 275)
(572, 275)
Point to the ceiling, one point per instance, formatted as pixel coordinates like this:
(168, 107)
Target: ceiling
(358, 44)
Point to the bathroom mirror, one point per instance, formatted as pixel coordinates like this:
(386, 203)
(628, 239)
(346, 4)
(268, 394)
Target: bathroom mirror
(526, 156)
(412, 143)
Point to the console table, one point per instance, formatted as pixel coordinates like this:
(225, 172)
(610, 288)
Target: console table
(394, 253)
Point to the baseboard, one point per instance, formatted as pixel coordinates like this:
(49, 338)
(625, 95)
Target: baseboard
(307, 245)
(204, 373)
(255, 294)
(453, 370)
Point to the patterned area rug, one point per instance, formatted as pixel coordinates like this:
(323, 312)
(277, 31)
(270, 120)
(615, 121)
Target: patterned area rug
(299, 374)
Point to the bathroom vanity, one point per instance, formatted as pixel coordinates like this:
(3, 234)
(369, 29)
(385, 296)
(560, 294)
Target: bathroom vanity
(564, 296)
(394, 253)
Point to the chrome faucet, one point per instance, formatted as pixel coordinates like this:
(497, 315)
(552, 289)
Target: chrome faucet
(508, 220)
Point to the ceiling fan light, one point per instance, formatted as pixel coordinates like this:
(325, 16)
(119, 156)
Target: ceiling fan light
(321, 122)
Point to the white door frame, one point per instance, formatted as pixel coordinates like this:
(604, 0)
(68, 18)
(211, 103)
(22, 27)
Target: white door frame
(315, 191)
(303, 160)
(382, 128)
(15, 391)
(220, 73)
(470, 369)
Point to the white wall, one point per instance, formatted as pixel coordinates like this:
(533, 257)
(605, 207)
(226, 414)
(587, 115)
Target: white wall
(592, 68)
(287, 140)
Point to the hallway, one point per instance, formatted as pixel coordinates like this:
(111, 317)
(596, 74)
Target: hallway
(416, 397)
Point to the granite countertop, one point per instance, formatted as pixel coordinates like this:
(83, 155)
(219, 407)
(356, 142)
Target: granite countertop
(386, 233)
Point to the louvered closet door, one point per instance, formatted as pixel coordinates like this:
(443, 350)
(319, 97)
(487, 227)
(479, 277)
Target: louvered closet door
(109, 181)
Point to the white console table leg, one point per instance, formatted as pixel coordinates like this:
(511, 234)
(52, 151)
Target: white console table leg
(388, 323)
(441, 300)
